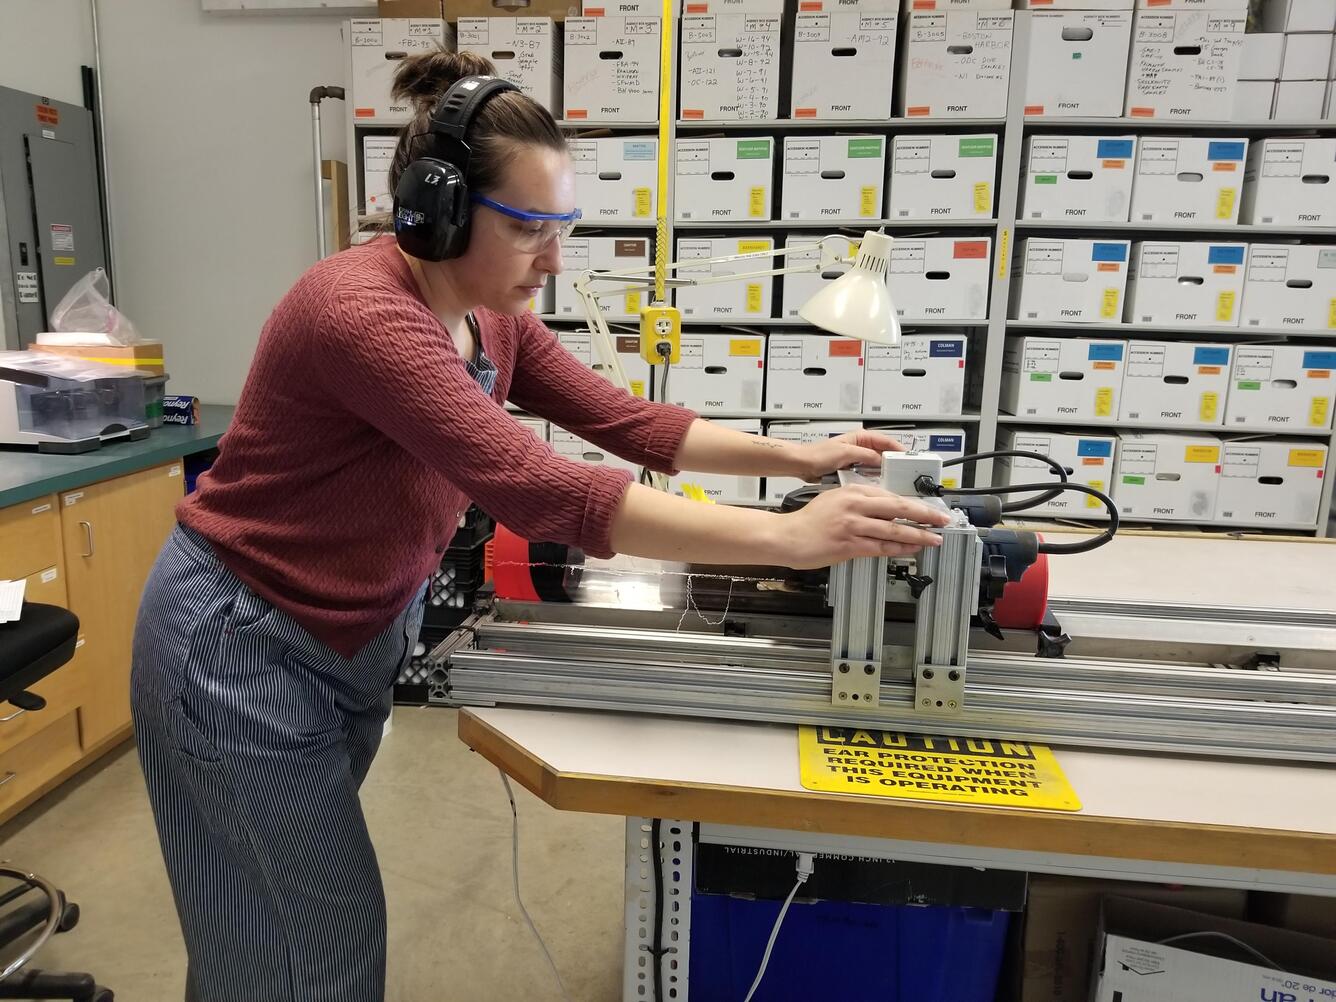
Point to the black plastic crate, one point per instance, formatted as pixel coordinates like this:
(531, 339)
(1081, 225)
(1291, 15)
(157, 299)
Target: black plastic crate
(475, 528)
(453, 585)
(412, 695)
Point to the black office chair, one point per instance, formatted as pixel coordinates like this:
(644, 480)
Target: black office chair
(32, 910)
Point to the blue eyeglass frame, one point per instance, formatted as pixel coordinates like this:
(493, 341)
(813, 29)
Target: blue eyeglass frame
(521, 214)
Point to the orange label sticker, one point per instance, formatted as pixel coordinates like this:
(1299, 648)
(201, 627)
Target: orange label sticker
(971, 250)
(364, 113)
(1143, 112)
(1114, 164)
(1034, 109)
(1105, 366)
(925, 4)
(577, 113)
(48, 115)
(810, 7)
(1225, 269)
(1319, 373)
(804, 113)
(698, 8)
(594, 12)
(693, 113)
(1225, 167)
(1208, 370)
(1093, 461)
(845, 348)
(1110, 266)
(918, 111)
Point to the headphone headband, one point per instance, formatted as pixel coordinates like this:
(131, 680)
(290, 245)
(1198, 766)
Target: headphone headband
(454, 113)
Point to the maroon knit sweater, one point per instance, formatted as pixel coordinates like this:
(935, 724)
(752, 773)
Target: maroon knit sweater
(360, 439)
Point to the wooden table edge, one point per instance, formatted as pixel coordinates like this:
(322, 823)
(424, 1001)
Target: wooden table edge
(949, 824)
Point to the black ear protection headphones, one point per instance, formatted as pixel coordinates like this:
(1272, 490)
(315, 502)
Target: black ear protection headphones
(431, 201)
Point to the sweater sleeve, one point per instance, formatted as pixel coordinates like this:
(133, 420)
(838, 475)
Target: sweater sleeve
(390, 364)
(550, 382)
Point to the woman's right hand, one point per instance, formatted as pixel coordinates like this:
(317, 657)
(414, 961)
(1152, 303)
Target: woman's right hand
(854, 521)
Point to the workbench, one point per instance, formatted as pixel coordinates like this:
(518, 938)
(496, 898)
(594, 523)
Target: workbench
(1212, 822)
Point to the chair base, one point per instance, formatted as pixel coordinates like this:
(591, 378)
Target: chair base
(53, 985)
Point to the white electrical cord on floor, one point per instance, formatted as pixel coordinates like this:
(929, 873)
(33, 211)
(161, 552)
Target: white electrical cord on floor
(515, 872)
(804, 871)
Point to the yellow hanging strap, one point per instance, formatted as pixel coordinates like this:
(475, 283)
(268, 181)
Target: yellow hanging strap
(662, 252)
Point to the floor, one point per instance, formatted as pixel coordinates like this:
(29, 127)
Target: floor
(441, 824)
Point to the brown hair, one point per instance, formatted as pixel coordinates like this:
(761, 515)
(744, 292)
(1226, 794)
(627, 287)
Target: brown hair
(508, 120)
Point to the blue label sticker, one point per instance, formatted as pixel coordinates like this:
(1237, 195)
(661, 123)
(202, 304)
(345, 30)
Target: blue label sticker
(1117, 148)
(1225, 255)
(1225, 151)
(638, 150)
(1106, 353)
(1210, 356)
(1108, 252)
(946, 443)
(1320, 360)
(1094, 447)
(946, 349)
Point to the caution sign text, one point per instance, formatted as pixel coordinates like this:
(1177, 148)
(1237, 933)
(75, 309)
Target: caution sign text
(926, 767)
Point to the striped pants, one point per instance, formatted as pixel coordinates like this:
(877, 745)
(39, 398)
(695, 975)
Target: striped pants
(254, 740)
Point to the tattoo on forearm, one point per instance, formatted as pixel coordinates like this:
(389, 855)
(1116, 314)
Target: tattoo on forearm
(766, 443)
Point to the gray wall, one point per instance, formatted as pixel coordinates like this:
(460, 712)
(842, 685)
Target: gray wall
(208, 144)
(42, 45)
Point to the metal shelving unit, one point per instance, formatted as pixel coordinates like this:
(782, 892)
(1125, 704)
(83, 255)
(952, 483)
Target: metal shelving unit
(587, 225)
(1223, 528)
(1010, 227)
(1004, 228)
(578, 124)
(828, 225)
(1243, 231)
(840, 125)
(749, 323)
(915, 419)
(1107, 426)
(1160, 333)
(1187, 126)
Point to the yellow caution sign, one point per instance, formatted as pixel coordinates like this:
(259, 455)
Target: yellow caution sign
(948, 770)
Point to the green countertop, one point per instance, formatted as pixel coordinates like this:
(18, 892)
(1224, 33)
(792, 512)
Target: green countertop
(25, 475)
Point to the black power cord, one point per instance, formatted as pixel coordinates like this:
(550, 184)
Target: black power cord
(1058, 469)
(927, 486)
(665, 351)
(656, 944)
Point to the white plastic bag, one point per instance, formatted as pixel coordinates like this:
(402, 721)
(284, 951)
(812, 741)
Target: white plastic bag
(87, 309)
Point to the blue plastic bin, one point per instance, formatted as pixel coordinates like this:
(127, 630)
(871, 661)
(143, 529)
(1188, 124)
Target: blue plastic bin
(846, 951)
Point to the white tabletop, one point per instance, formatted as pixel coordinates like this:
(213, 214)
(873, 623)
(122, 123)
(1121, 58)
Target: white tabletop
(765, 756)
(1247, 571)
(1145, 817)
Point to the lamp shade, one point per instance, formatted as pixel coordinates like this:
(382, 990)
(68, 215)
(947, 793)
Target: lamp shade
(858, 303)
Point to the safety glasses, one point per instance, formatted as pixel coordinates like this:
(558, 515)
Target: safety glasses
(531, 232)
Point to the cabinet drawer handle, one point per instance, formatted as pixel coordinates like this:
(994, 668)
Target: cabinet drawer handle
(88, 536)
(16, 713)
(9, 777)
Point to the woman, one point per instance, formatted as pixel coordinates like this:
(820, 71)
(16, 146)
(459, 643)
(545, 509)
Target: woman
(285, 603)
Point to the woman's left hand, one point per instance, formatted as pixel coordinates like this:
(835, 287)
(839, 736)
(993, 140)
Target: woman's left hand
(855, 448)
